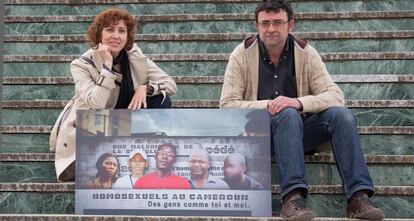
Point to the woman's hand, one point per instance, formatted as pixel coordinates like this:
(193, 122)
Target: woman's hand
(105, 52)
(139, 99)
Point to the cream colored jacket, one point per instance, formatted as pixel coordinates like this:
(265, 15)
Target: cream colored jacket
(315, 88)
(95, 88)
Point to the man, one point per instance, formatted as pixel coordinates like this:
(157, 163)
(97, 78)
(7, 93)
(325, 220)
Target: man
(137, 164)
(234, 174)
(163, 177)
(199, 166)
(286, 76)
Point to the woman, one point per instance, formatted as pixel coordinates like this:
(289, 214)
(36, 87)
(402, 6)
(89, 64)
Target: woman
(113, 74)
(107, 167)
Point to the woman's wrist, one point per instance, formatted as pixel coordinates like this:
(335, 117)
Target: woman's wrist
(108, 64)
(106, 67)
(150, 89)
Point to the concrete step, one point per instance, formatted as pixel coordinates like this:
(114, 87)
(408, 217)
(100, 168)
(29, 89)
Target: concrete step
(313, 189)
(218, 57)
(214, 26)
(217, 17)
(385, 170)
(195, 47)
(213, 79)
(199, 37)
(39, 7)
(53, 203)
(379, 130)
(216, 23)
(367, 112)
(372, 144)
(190, 91)
(216, 68)
(316, 174)
(18, 104)
(317, 158)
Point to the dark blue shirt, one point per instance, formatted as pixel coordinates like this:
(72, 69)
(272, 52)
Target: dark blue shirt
(277, 79)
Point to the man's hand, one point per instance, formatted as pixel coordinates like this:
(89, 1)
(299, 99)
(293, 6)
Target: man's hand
(139, 99)
(280, 103)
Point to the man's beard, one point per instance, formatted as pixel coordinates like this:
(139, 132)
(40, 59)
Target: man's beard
(272, 44)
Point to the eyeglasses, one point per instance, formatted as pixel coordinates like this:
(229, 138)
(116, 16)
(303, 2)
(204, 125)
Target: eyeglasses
(275, 24)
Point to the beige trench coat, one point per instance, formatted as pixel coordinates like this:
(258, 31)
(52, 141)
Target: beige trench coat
(95, 88)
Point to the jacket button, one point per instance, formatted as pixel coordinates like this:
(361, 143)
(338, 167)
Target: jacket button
(65, 144)
(74, 124)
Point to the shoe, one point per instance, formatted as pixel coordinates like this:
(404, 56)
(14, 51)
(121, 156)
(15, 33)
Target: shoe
(360, 207)
(295, 209)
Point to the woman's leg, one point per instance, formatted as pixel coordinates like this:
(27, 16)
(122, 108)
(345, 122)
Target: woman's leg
(155, 101)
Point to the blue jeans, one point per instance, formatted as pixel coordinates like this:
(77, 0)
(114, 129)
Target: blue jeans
(293, 136)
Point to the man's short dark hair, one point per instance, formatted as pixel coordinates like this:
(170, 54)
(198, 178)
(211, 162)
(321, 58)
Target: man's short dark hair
(274, 6)
(167, 145)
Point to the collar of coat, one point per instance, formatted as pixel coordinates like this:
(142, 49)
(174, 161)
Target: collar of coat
(137, 61)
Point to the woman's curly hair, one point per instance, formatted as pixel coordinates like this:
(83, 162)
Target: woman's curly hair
(107, 18)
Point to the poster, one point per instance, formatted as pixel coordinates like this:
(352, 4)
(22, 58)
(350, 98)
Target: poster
(175, 162)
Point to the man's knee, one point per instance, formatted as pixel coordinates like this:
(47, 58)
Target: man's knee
(341, 114)
(290, 113)
(287, 116)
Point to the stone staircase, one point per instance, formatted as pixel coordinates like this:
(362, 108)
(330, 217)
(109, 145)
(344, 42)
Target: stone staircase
(367, 45)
